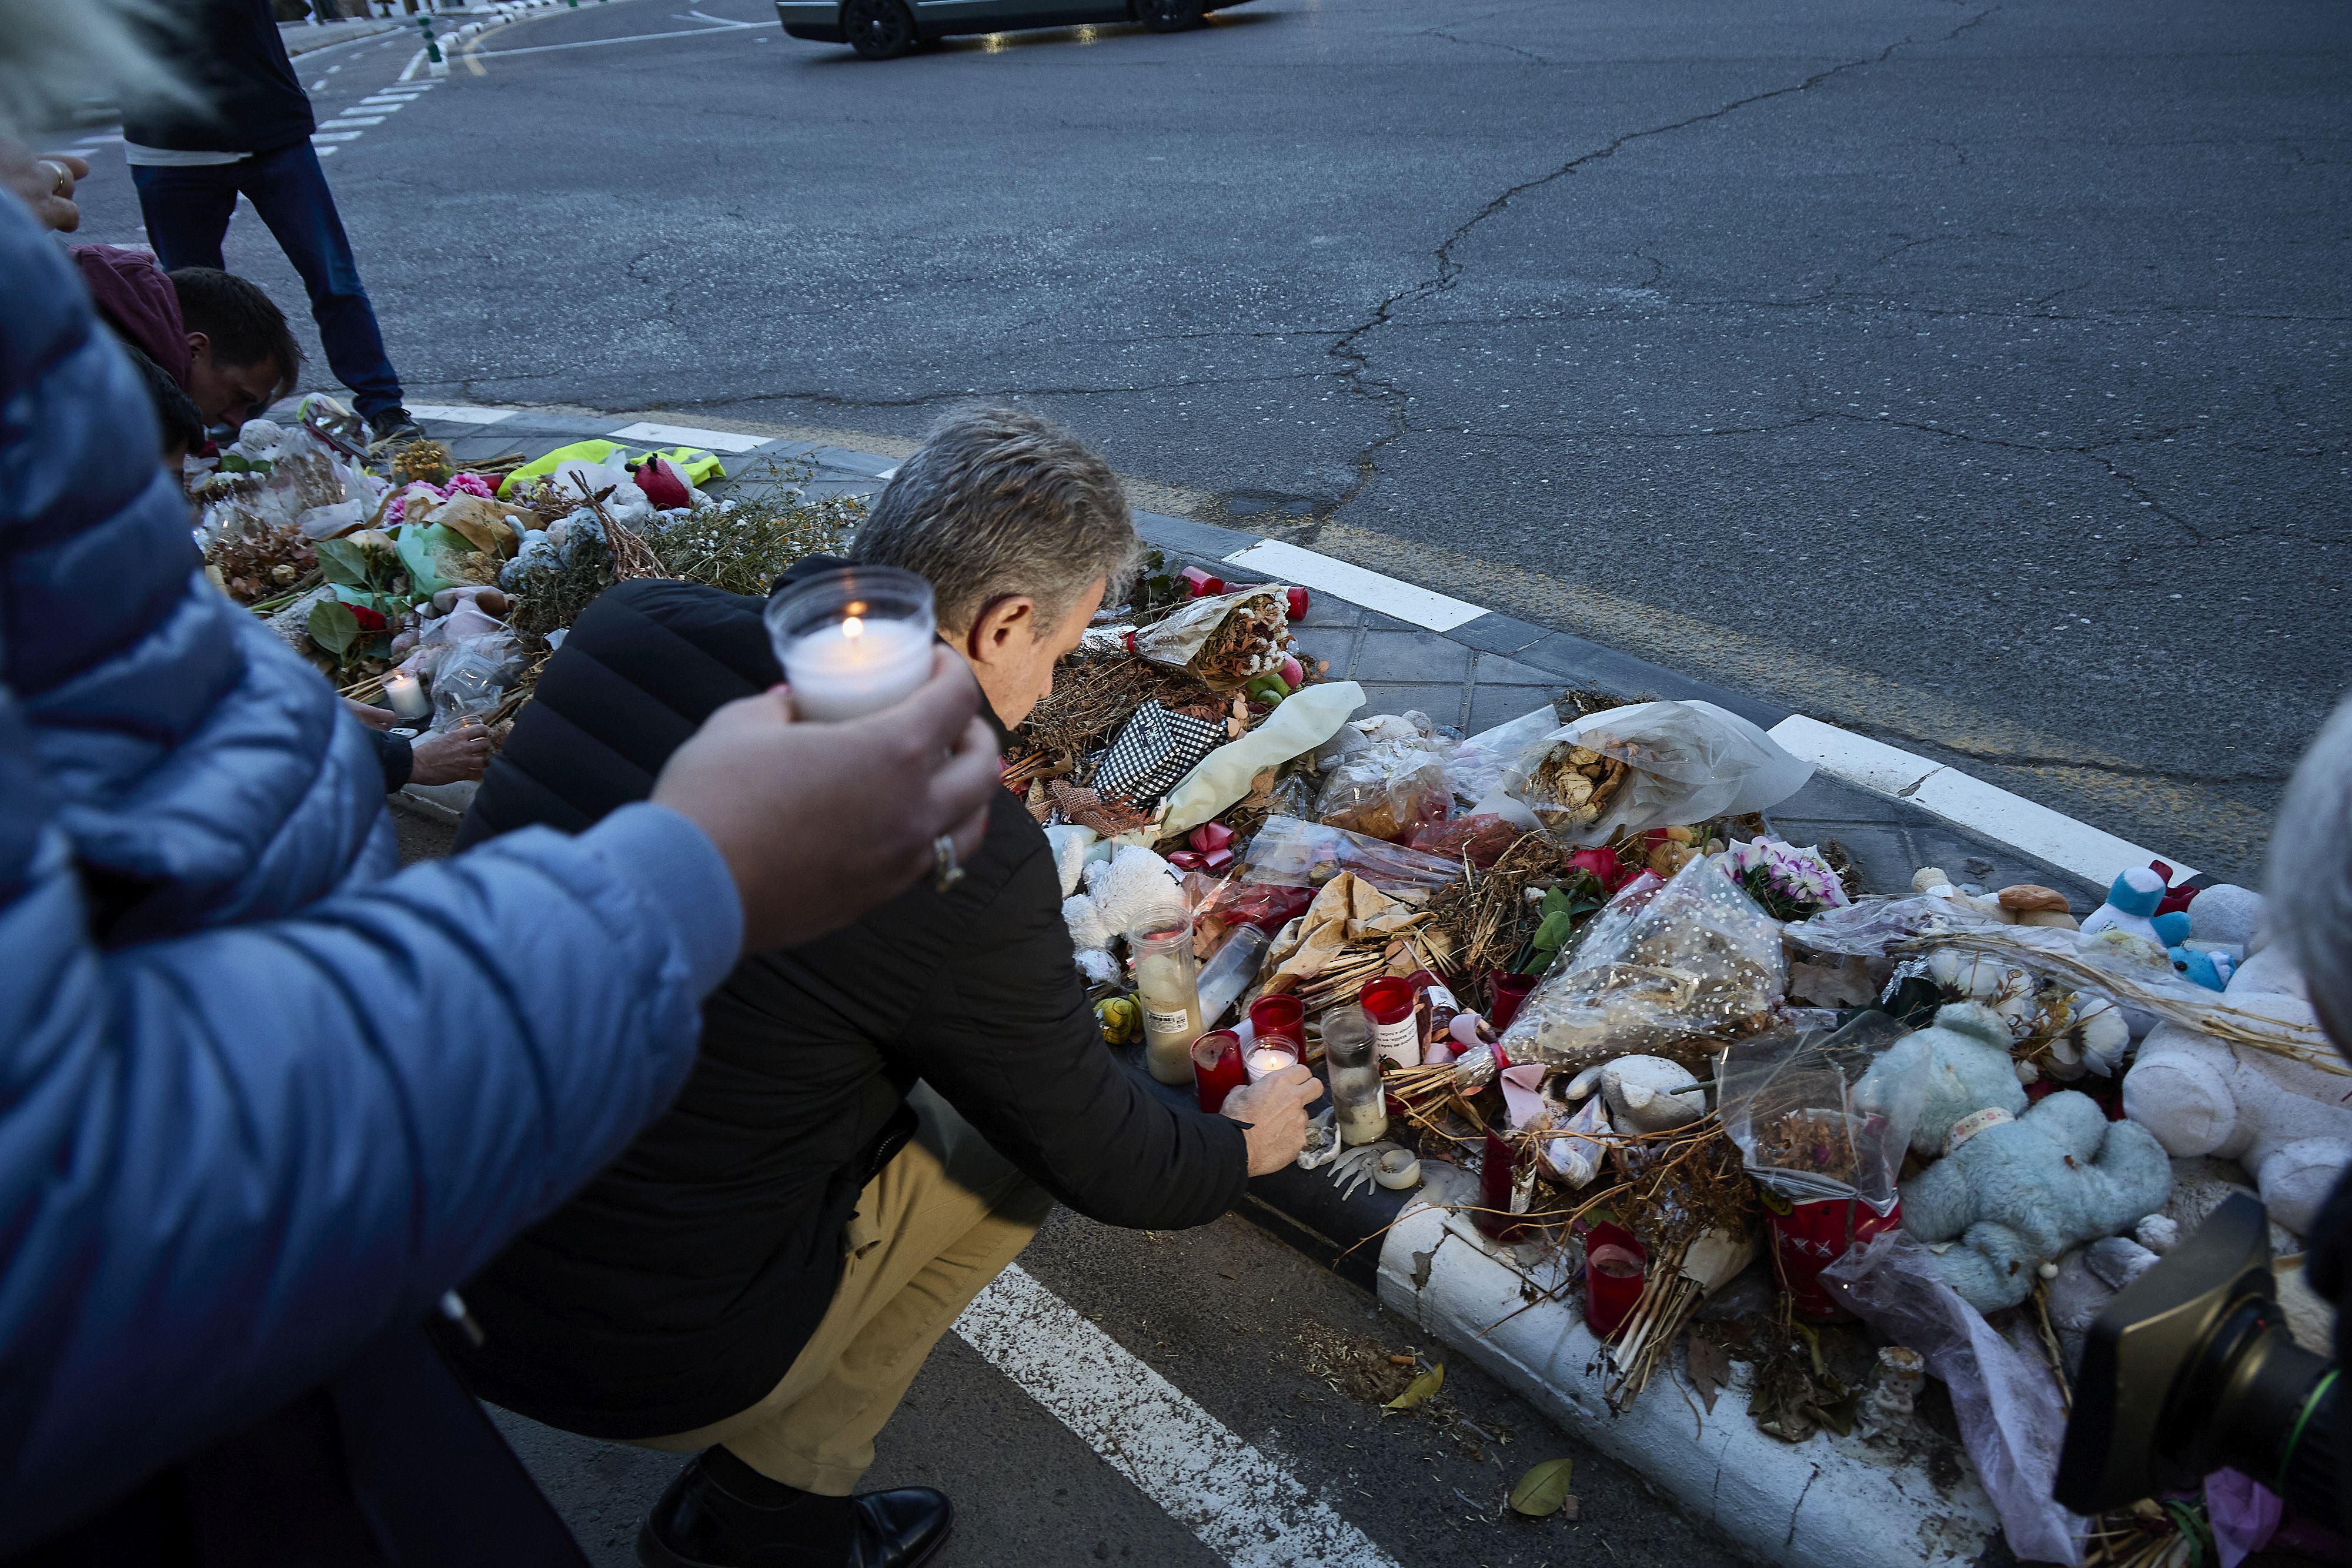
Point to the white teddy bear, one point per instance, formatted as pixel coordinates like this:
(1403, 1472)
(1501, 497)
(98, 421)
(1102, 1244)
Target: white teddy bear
(2287, 1123)
(1120, 891)
(1643, 1094)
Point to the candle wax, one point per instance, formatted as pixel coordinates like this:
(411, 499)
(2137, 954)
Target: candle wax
(1172, 1014)
(857, 665)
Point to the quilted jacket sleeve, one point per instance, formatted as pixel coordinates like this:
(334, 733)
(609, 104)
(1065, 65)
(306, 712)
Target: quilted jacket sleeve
(228, 1159)
(254, 1127)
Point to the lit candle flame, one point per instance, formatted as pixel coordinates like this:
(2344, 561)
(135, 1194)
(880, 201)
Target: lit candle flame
(853, 627)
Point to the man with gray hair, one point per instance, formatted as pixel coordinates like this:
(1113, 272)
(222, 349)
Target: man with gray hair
(880, 1119)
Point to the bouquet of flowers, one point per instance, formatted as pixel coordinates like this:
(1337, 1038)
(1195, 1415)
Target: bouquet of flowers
(1792, 883)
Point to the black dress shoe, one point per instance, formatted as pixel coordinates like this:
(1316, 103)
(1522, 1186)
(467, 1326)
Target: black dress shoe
(719, 1513)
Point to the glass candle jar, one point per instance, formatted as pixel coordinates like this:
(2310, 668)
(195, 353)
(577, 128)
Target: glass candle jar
(1283, 1016)
(1358, 1108)
(1168, 986)
(1396, 1033)
(853, 642)
(1509, 990)
(1217, 1068)
(1265, 1058)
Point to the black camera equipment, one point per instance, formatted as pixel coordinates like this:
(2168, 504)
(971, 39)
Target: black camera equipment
(2190, 1369)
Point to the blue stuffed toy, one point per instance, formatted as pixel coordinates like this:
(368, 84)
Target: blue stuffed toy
(2015, 1185)
(2131, 906)
(2207, 966)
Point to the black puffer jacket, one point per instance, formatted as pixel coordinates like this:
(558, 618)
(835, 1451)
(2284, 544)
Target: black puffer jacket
(677, 1288)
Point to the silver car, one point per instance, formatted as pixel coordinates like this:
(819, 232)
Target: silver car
(884, 30)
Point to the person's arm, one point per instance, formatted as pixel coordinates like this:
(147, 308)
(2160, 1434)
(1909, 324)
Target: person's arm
(1004, 1034)
(393, 754)
(228, 1159)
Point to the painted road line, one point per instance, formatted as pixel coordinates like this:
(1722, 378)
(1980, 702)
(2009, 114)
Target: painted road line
(362, 121)
(687, 435)
(631, 39)
(1372, 589)
(1243, 1506)
(461, 412)
(1969, 801)
(336, 136)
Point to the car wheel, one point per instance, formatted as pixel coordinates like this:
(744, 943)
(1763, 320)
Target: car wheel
(877, 29)
(1168, 15)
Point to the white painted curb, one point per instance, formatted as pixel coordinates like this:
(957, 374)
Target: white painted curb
(1956, 797)
(1826, 1503)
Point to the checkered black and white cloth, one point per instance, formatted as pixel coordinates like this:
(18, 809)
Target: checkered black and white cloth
(1154, 750)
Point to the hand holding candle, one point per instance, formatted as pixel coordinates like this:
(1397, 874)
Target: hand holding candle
(1273, 1110)
(818, 824)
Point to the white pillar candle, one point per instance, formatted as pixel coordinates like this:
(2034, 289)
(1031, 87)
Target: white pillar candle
(404, 693)
(857, 665)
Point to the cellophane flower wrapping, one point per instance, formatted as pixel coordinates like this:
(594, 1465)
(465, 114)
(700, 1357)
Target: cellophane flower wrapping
(1674, 970)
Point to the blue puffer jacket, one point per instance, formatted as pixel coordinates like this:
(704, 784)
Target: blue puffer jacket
(256, 1105)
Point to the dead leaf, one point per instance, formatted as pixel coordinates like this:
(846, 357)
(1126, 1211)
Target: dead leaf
(1543, 1491)
(1710, 1369)
(1423, 1387)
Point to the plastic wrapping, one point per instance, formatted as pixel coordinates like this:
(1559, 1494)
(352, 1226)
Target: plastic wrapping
(1477, 767)
(1681, 762)
(1481, 840)
(1870, 927)
(1393, 783)
(1225, 638)
(468, 684)
(1671, 969)
(1788, 1100)
(2011, 1419)
(1308, 855)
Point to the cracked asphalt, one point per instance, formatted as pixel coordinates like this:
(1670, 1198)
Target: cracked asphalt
(1972, 374)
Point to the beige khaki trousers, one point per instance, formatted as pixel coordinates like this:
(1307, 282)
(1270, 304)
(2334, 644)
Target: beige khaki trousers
(941, 1221)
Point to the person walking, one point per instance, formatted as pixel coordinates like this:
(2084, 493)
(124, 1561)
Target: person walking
(249, 136)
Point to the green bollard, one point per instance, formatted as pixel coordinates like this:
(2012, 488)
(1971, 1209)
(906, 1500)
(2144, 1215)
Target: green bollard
(432, 49)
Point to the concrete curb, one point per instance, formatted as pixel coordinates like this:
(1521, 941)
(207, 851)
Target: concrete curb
(1827, 1502)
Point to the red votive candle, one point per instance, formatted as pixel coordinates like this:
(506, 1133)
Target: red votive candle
(1396, 1033)
(1217, 1068)
(1616, 1265)
(1509, 990)
(1494, 1214)
(1284, 1016)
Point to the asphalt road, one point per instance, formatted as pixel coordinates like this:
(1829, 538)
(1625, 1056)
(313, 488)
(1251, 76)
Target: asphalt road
(1971, 373)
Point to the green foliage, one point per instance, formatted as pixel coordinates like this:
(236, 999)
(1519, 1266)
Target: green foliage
(333, 627)
(773, 524)
(1156, 588)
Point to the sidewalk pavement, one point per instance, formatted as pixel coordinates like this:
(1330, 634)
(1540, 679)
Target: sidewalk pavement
(1827, 1503)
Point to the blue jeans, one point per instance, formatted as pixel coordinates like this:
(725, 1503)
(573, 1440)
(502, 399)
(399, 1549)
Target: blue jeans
(187, 212)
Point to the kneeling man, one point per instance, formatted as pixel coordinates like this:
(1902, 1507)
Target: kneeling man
(879, 1120)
